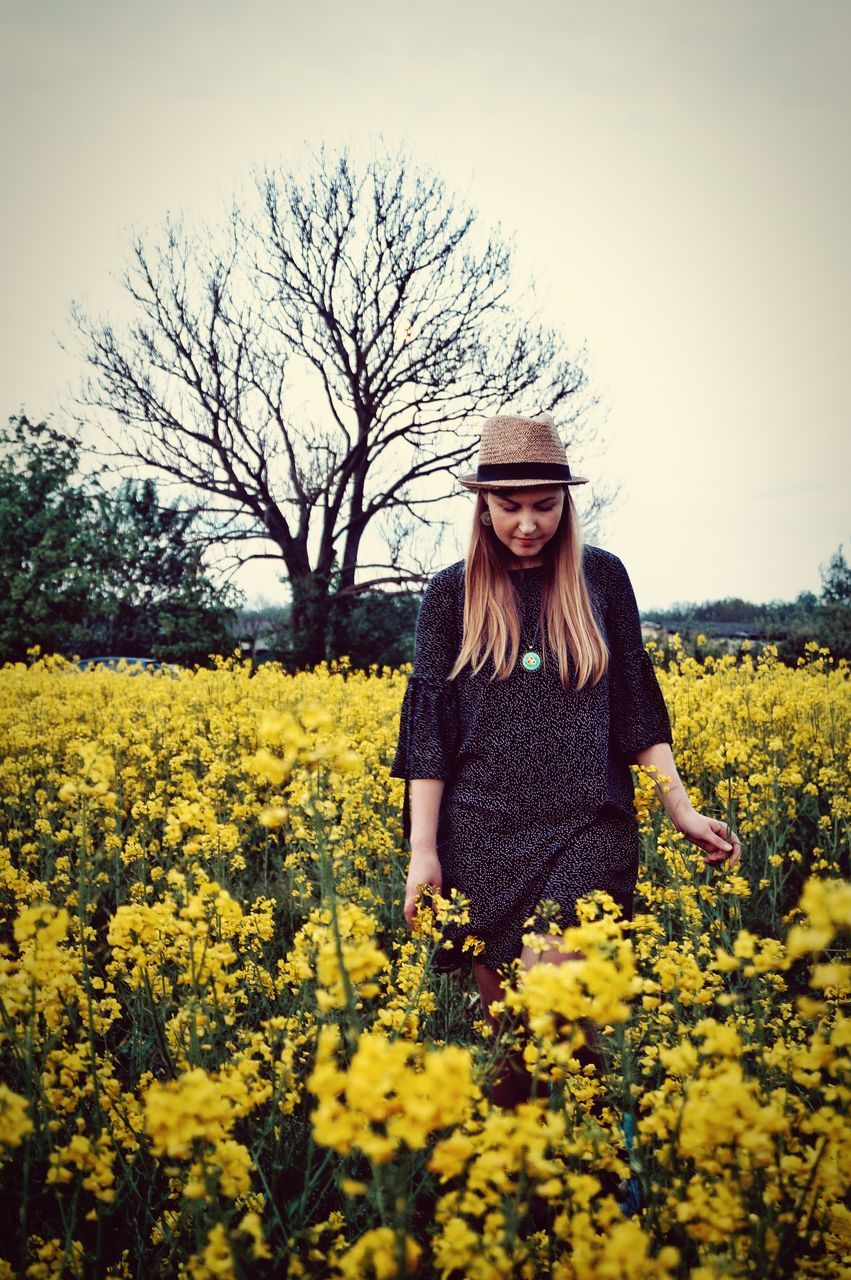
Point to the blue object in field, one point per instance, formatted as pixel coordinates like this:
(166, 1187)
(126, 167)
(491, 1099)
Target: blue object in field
(132, 666)
(629, 1193)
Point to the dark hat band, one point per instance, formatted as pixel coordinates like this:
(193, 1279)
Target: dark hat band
(522, 471)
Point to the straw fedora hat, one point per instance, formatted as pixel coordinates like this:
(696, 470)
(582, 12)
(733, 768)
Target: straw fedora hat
(516, 453)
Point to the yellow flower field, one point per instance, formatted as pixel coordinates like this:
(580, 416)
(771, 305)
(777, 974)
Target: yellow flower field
(223, 1054)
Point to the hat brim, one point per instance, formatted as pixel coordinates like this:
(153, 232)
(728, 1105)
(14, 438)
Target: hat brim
(470, 482)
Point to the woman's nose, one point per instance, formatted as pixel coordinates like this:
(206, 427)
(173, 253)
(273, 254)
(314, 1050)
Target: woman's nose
(527, 523)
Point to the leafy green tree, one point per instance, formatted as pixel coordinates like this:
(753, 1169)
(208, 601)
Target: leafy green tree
(46, 573)
(153, 594)
(90, 572)
(836, 579)
(826, 620)
(374, 628)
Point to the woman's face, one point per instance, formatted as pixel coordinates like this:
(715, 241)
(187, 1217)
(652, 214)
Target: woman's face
(525, 520)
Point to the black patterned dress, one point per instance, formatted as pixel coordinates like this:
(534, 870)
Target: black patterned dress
(537, 803)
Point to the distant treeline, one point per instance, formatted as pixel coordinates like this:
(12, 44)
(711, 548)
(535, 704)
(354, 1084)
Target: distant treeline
(824, 619)
(380, 627)
(96, 572)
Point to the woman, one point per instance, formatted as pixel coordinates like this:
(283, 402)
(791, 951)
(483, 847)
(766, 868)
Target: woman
(531, 695)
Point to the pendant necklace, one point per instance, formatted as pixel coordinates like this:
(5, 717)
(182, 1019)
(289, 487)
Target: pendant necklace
(531, 659)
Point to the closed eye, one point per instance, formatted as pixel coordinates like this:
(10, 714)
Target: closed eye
(538, 507)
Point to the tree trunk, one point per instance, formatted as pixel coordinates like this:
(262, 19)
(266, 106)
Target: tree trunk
(309, 620)
(340, 626)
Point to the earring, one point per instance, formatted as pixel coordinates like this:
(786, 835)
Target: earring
(486, 518)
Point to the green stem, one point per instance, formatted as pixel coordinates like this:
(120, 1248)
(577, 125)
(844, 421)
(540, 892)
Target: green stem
(329, 896)
(159, 1033)
(82, 911)
(785, 1257)
(30, 1075)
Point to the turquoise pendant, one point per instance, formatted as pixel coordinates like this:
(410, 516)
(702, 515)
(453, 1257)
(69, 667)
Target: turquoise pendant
(531, 660)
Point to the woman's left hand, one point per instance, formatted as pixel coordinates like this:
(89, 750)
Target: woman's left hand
(714, 837)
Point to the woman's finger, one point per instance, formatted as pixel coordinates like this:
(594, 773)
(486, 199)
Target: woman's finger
(737, 849)
(412, 898)
(433, 880)
(721, 843)
(734, 848)
(717, 841)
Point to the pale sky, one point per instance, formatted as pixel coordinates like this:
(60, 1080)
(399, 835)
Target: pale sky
(674, 173)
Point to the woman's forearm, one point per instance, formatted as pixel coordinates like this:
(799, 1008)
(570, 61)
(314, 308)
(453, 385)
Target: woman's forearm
(659, 760)
(717, 839)
(426, 795)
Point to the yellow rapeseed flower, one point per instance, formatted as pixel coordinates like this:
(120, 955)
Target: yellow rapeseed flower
(15, 1121)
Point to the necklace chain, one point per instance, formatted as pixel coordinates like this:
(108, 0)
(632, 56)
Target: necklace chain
(530, 659)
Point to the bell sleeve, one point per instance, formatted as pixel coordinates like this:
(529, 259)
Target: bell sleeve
(639, 715)
(428, 720)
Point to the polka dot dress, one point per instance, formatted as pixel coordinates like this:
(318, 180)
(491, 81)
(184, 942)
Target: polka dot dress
(537, 803)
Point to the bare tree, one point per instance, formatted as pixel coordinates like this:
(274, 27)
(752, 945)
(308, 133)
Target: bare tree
(407, 320)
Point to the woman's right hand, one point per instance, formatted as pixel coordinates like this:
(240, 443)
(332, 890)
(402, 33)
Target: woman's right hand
(424, 869)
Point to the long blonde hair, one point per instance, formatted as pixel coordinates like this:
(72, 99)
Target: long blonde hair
(492, 622)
